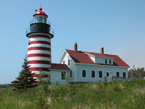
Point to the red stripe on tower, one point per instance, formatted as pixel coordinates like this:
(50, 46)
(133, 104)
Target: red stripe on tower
(38, 68)
(39, 62)
(39, 55)
(39, 48)
(39, 42)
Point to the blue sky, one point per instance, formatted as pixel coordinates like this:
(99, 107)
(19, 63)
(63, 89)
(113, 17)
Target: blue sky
(116, 25)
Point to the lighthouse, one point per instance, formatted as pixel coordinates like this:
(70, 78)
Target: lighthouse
(39, 46)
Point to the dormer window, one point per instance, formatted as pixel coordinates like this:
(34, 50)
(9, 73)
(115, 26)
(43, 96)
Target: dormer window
(105, 61)
(69, 62)
(110, 61)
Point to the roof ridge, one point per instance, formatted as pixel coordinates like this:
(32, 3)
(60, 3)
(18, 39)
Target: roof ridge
(92, 52)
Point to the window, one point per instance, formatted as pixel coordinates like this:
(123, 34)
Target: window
(107, 74)
(110, 61)
(70, 74)
(63, 62)
(69, 62)
(93, 74)
(100, 74)
(117, 74)
(83, 73)
(63, 75)
(105, 61)
(124, 75)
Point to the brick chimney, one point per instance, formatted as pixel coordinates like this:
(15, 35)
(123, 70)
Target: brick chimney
(102, 50)
(75, 47)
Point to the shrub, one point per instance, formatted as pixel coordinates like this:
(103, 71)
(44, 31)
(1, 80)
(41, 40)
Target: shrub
(41, 101)
(100, 86)
(43, 92)
(116, 87)
(105, 84)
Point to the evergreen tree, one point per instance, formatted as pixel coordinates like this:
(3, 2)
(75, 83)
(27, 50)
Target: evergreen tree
(24, 81)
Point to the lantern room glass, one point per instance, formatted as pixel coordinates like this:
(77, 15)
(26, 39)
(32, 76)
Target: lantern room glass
(40, 19)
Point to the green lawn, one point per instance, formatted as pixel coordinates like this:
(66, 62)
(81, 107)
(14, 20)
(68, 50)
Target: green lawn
(101, 95)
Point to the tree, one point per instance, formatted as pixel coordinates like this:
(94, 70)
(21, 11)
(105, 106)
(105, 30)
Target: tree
(43, 91)
(138, 73)
(24, 80)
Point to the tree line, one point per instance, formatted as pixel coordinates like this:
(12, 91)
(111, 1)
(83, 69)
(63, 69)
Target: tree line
(136, 73)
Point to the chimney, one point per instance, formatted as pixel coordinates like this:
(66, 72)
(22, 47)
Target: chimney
(102, 50)
(75, 47)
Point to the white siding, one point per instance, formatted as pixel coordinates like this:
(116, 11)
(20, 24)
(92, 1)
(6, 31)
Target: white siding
(101, 60)
(112, 72)
(92, 57)
(72, 65)
(55, 75)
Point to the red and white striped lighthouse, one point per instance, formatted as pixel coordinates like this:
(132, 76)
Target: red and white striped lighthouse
(39, 46)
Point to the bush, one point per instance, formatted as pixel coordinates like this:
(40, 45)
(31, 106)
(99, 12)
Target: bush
(116, 87)
(41, 100)
(105, 84)
(100, 86)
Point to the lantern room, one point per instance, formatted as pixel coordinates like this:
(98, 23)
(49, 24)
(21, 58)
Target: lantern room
(40, 24)
(40, 16)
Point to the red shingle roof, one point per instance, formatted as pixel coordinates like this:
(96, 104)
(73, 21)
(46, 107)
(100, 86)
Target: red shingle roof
(59, 66)
(82, 57)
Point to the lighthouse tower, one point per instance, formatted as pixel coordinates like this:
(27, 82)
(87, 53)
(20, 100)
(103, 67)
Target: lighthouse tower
(39, 46)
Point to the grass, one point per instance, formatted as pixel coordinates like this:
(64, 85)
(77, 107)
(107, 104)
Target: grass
(101, 95)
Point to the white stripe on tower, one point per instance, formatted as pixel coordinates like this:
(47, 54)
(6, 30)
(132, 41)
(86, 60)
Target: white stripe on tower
(39, 52)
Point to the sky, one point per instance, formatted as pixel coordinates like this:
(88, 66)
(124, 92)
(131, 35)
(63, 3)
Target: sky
(116, 25)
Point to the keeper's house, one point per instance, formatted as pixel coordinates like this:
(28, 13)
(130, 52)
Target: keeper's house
(93, 67)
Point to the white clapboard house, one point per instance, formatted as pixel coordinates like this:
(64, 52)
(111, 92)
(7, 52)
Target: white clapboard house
(92, 67)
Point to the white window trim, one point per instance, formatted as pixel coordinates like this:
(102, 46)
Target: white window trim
(105, 61)
(109, 61)
(69, 74)
(69, 61)
(65, 76)
(125, 74)
(107, 72)
(102, 74)
(91, 73)
(116, 74)
(63, 62)
(82, 74)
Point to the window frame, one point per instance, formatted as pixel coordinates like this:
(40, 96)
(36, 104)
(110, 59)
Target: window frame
(62, 75)
(63, 62)
(68, 62)
(117, 73)
(107, 73)
(85, 73)
(109, 61)
(123, 74)
(92, 74)
(105, 61)
(101, 73)
(70, 74)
